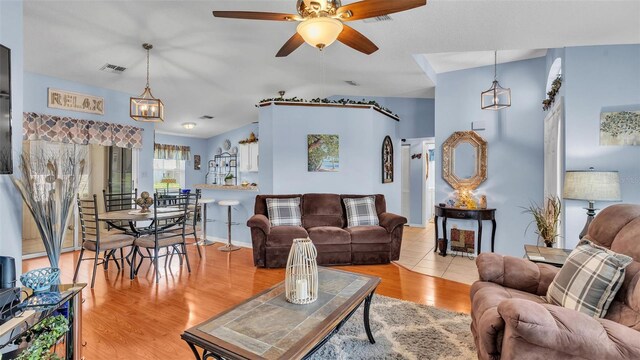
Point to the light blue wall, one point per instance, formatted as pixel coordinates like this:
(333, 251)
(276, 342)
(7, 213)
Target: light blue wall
(11, 36)
(283, 134)
(515, 143)
(361, 132)
(116, 111)
(198, 147)
(242, 212)
(417, 116)
(234, 136)
(417, 122)
(599, 78)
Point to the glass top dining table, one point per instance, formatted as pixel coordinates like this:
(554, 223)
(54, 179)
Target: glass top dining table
(132, 216)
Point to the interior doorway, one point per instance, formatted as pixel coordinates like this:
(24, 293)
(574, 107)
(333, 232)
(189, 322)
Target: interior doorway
(406, 181)
(418, 180)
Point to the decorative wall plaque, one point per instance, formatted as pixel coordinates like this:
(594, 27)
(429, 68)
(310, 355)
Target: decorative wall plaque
(387, 160)
(196, 162)
(67, 100)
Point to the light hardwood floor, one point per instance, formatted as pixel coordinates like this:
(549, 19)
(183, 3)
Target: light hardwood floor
(137, 319)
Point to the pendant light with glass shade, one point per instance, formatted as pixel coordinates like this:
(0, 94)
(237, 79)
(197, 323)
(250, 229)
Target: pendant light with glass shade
(496, 97)
(146, 108)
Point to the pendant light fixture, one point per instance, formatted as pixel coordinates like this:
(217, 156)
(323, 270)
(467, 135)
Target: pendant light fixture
(146, 108)
(496, 97)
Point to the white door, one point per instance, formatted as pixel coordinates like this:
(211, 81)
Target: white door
(553, 157)
(553, 151)
(406, 177)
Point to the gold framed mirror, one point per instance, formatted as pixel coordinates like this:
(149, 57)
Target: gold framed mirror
(464, 160)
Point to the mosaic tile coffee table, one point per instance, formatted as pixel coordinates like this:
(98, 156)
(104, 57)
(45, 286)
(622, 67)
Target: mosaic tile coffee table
(268, 327)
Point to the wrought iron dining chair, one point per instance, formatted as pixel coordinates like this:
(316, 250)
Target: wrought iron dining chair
(163, 235)
(119, 201)
(191, 226)
(94, 240)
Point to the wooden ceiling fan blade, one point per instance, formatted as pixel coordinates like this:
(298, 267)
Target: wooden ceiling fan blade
(255, 15)
(291, 45)
(372, 8)
(355, 40)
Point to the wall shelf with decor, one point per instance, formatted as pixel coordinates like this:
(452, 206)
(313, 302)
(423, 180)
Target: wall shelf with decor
(223, 170)
(354, 105)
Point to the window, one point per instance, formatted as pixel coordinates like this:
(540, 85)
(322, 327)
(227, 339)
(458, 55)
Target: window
(168, 169)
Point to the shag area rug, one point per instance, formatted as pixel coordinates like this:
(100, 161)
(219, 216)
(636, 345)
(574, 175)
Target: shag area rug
(402, 330)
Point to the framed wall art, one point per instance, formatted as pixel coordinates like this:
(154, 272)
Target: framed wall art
(620, 128)
(197, 162)
(387, 160)
(323, 153)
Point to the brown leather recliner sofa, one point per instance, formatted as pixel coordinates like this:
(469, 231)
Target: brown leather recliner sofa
(512, 320)
(324, 222)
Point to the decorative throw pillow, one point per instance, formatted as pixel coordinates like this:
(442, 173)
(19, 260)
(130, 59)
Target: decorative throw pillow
(589, 279)
(361, 211)
(284, 212)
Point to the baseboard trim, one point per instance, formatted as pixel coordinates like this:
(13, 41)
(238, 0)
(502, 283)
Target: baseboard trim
(234, 242)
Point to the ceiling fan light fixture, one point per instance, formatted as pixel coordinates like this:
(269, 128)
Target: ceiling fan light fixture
(320, 32)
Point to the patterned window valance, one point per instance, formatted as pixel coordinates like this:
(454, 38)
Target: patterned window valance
(171, 152)
(76, 131)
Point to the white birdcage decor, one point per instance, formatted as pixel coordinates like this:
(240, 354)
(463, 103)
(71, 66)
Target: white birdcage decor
(301, 279)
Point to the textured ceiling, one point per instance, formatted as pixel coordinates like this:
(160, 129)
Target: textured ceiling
(221, 67)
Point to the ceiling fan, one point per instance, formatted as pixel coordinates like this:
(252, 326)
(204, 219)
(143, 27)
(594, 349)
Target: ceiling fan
(322, 21)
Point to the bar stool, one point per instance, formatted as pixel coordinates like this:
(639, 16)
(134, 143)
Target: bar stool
(229, 203)
(203, 237)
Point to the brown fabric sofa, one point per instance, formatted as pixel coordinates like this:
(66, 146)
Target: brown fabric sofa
(512, 320)
(324, 221)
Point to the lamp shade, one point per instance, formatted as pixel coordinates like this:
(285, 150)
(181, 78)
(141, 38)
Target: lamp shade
(320, 32)
(592, 185)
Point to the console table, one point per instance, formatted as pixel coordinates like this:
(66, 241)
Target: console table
(478, 215)
(65, 299)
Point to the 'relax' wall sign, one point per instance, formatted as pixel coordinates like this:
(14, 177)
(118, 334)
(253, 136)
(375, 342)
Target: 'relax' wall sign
(67, 100)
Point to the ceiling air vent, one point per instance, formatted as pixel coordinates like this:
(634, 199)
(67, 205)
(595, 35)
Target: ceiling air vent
(352, 83)
(206, 117)
(378, 19)
(113, 68)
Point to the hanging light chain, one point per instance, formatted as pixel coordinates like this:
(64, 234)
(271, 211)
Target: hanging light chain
(147, 66)
(495, 65)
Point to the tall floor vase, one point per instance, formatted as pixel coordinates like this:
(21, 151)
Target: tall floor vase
(48, 185)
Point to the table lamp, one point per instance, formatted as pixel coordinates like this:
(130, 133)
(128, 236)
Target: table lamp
(591, 186)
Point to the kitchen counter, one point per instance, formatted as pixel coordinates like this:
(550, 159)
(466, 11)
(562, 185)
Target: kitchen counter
(226, 187)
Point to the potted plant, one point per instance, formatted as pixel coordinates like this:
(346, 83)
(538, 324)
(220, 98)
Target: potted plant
(42, 337)
(48, 185)
(228, 180)
(546, 218)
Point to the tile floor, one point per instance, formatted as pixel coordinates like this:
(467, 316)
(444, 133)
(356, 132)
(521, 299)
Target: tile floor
(417, 254)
